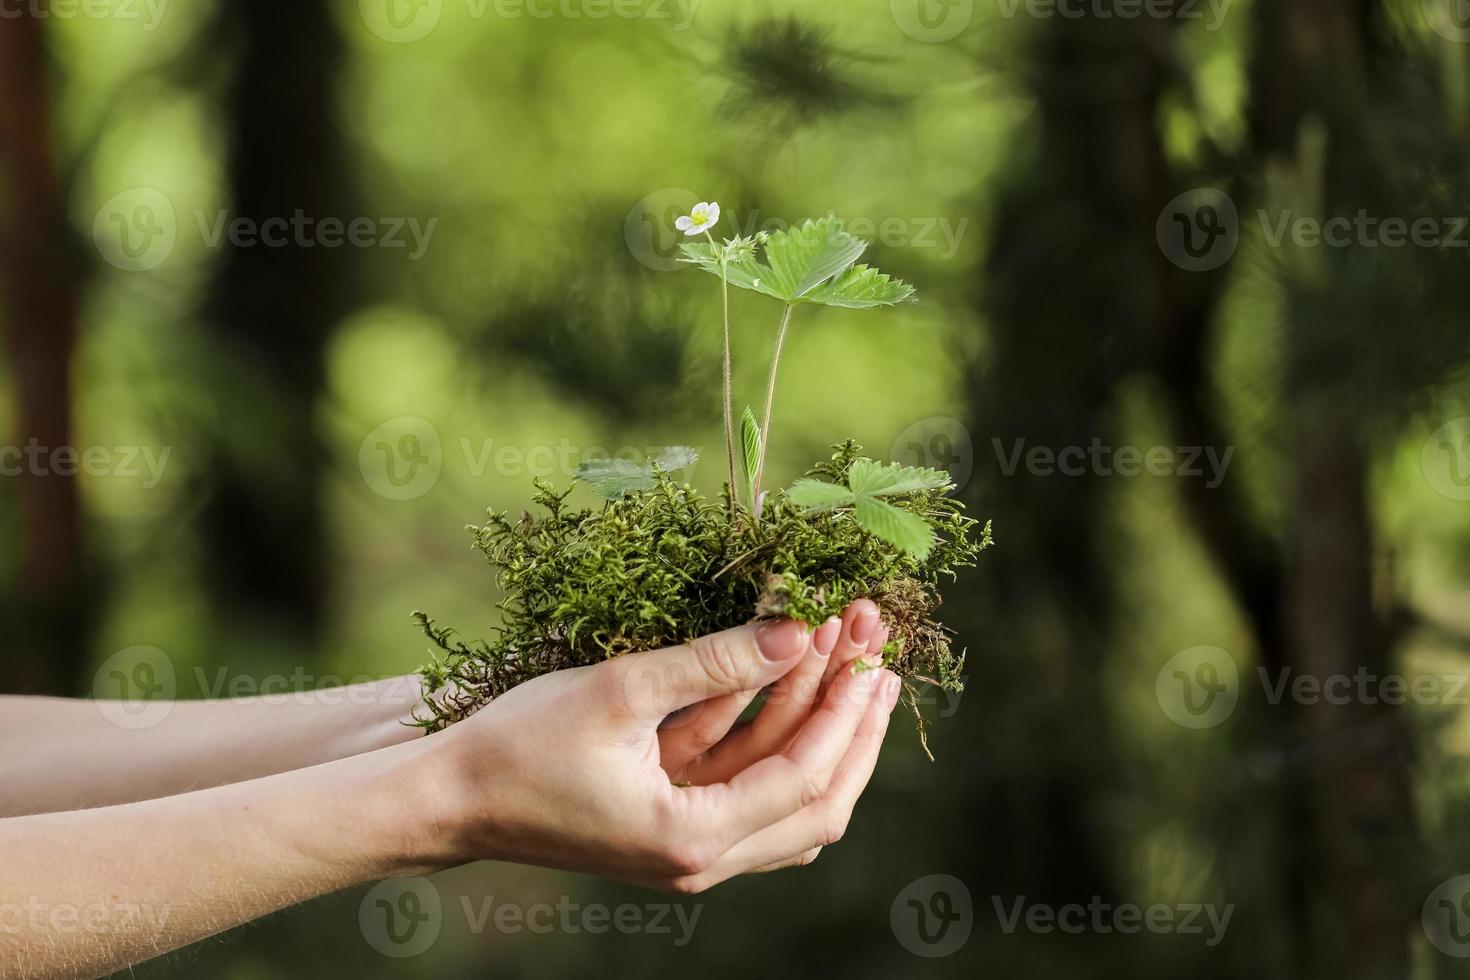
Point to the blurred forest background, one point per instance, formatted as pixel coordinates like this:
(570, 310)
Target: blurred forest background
(1089, 208)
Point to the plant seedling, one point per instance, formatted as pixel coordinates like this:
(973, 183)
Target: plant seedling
(657, 564)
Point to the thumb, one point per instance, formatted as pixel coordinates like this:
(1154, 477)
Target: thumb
(747, 658)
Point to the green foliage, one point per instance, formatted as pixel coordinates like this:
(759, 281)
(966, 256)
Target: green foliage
(750, 441)
(867, 481)
(661, 566)
(613, 478)
(812, 263)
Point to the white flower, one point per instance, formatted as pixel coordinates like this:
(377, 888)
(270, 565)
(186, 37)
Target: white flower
(704, 216)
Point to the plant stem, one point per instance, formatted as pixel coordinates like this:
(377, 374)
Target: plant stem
(770, 400)
(729, 393)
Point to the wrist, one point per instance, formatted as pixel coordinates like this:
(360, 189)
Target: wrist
(437, 808)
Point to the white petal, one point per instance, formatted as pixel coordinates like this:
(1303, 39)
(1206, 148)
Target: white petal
(683, 222)
(714, 212)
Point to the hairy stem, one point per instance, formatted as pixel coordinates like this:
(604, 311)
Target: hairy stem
(770, 400)
(729, 393)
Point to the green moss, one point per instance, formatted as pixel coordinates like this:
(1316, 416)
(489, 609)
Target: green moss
(664, 565)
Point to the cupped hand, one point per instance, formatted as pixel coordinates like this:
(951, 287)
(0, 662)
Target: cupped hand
(626, 768)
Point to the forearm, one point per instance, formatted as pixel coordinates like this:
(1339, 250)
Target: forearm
(68, 754)
(88, 892)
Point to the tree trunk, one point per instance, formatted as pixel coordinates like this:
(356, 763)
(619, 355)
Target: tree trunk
(273, 308)
(48, 647)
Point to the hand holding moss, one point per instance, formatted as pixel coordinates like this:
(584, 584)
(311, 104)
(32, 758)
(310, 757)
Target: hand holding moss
(626, 768)
(658, 564)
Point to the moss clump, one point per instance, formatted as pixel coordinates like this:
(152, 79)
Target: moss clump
(661, 566)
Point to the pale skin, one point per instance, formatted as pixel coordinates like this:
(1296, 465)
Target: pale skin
(120, 846)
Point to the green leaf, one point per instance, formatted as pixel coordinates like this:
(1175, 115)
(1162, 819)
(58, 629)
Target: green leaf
(816, 495)
(601, 469)
(871, 479)
(862, 287)
(750, 438)
(810, 263)
(908, 532)
(675, 458)
(614, 478)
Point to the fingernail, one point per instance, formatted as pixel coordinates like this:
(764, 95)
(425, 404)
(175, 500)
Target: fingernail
(878, 640)
(891, 688)
(863, 626)
(775, 640)
(824, 641)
